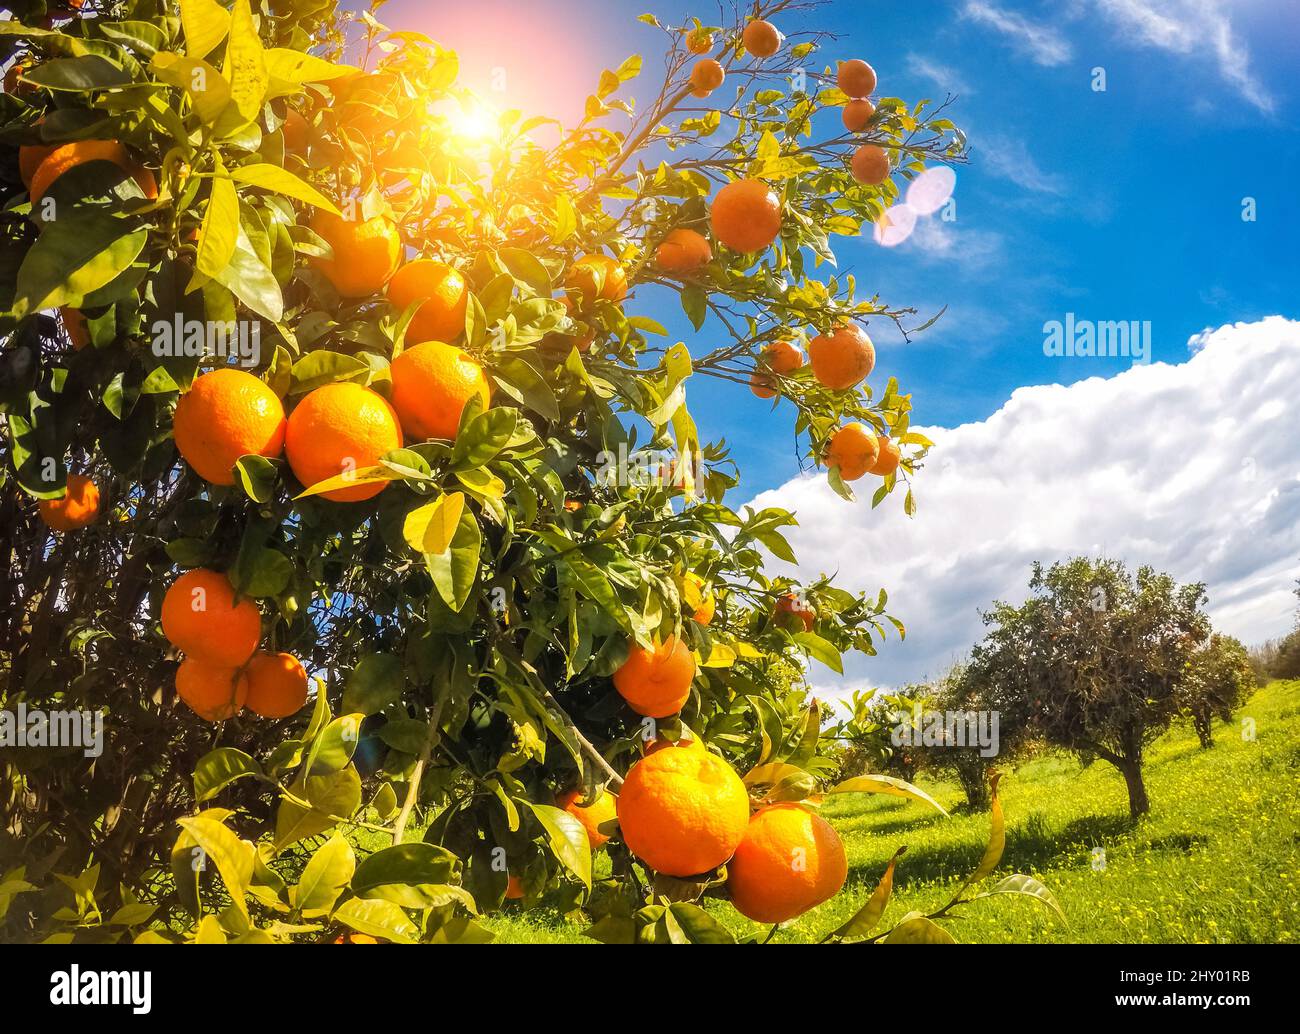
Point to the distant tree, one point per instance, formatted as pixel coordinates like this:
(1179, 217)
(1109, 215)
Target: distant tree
(1218, 679)
(1286, 659)
(1093, 661)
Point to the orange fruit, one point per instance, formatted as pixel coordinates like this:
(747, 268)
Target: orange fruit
(888, 459)
(78, 507)
(699, 41)
(355, 938)
(856, 78)
(432, 383)
(598, 818)
(706, 76)
(514, 888)
(74, 323)
(843, 358)
(566, 342)
(294, 130)
(366, 252)
(789, 860)
(746, 215)
(227, 414)
(277, 684)
(792, 612)
(682, 811)
(697, 597)
(30, 157)
(683, 251)
(762, 385)
(597, 276)
(442, 316)
(870, 165)
(69, 156)
(761, 38)
(777, 357)
(213, 692)
(656, 682)
(853, 449)
(338, 429)
(201, 618)
(857, 114)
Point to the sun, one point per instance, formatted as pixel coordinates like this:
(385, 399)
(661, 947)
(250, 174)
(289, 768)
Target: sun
(474, 121)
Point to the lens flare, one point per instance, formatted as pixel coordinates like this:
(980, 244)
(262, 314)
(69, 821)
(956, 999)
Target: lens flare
(895, 226)
(931, 190)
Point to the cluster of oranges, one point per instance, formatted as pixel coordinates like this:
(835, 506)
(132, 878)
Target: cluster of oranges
(223, 670)
(684, 812)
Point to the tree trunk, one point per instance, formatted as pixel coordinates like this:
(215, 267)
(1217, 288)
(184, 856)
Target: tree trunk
(1204, 733)
(1138, 804)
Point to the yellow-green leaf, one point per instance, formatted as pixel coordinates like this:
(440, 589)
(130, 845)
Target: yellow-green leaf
(205, 23)
(245, 64)
(220, 230)
(887, 785)
(430, 528)
(207, 88)
(282, 181)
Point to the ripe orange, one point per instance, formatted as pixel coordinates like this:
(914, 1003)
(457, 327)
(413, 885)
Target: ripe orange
(69, 156)
(442, 316)
(778, 357)
(706, 76)
(597, 276)
(683, 251)
(277, 684)
(856, 78)
(294, 131)
(200, 617)
(432, 383)
(857, 115)
(699, 41)
(656, 683)
(337, 429)
(30, 157)
(789, 860)
(366, 252)
(854, 449)
(74, 323)
(697, 597)
(889, 458)
(227, 414)
(870, 165)
(761, 38)
(514, 888)
(78, 507)
(598, 818)
(794, 613)
(763, 385)
(213, 692)
(746, 215)
(682, 811)
(843, 358)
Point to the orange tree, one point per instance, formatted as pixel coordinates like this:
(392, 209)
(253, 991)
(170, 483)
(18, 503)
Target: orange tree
(345, 478)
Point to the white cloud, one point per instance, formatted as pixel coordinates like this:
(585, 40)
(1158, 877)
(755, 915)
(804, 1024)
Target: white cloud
(1009, 157)
(974, 251)
(947, 78)
(1193, 468)
(1044, 44)
(1192, 27)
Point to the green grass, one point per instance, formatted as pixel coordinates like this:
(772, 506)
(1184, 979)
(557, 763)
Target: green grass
(1217, 860)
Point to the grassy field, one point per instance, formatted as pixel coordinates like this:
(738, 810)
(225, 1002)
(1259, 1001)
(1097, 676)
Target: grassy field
(1217, 860)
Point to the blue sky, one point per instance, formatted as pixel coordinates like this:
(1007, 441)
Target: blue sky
(1122, 204)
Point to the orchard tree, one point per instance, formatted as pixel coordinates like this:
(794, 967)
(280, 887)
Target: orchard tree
(346, 477)
(1219, 678)
(1093, 661)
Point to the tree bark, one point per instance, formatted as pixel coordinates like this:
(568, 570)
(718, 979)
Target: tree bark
(1138, 804)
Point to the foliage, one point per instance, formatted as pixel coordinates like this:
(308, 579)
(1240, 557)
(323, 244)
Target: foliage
(1217, 681)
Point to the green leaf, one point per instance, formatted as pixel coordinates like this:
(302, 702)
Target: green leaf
(252, 280)
(694, 304)
(325, 367)
(334, 747)
(889, 785)
(324, 877)
(375, 682)
(698, 926)
(864, 920)
(257, 476)
(1027, 885)
(377, 919)
(245, 66)
(220, 230)
(207, 88)
(293, 66)
(568, 839)
(821, 650)
(416, 875)
(455, 570)
(484, 437)
(523, 265)
(205, 23)
(281, 181)
(997, 838)
(79, 74)
(337, 794)
(219, 768)
(919, 930)
(75, 255)
(232, 856)
(261, 572)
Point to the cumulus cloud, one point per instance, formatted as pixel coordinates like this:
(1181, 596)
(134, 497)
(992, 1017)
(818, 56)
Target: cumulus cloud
(1193, 468)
